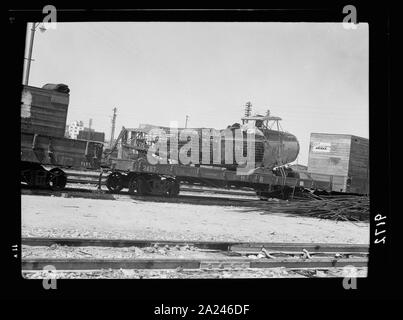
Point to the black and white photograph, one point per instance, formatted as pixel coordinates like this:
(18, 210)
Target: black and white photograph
(183, 150)
(195, 149)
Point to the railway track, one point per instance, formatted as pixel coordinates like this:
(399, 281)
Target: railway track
(77, 177)
(164, 263)
(188, 198)
(183, 187)
(213, 245)
(224, 255)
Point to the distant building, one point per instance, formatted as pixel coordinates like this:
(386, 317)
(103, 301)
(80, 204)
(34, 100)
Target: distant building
(74, 128)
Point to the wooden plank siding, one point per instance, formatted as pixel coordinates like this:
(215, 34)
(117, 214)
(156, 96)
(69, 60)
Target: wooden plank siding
(58, 151)
(341, 159)
(44, 111)
(359, 165)
(329, 156)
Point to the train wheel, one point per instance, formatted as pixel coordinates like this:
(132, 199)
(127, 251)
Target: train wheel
(114, 183)
(34, 175)
(57, 179)
(142, 186)
(173, 188)
(134, 186)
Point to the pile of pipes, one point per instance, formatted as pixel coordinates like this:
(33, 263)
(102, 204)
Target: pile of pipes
(335, 207)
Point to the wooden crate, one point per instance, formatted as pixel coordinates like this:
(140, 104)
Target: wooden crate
(44, 111)
(343, 158)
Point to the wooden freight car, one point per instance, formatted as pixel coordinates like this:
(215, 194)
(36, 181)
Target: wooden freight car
(341, 159)
(45, 152)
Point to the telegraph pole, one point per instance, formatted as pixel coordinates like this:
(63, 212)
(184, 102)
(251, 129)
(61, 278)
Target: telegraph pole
(186, 122)
(113, 126)
(248, 109)
(29, 59)
(30, 46)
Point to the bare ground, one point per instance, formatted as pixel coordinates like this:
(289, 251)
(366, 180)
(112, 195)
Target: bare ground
(133, 219)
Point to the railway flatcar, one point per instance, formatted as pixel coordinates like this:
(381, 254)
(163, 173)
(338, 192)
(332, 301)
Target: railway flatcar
(45, 152)
(132, 168)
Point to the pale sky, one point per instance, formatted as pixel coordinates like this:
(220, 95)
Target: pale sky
(312, 75)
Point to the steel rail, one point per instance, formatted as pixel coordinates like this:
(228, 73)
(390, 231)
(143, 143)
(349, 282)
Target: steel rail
(95, 181)
(235, 246)
(181, 198)
(99, 264)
